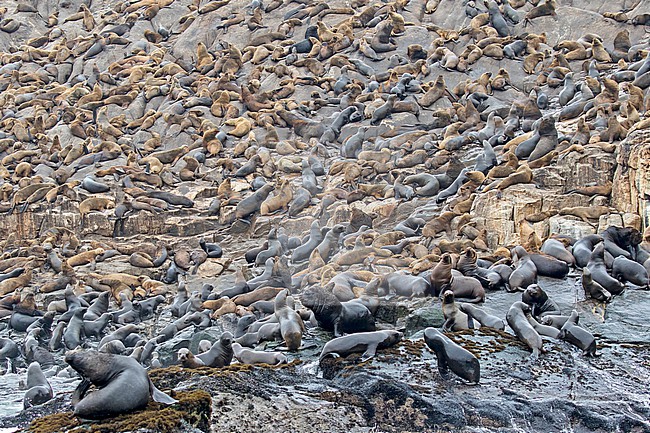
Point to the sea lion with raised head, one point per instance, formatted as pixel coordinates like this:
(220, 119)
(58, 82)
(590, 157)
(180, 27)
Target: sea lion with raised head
(599, 272)
(452, 357)
(525, 272)
(39, 389)
(516, 318)
(220, 354)
(291, 324)
(541, 305)
(122, 385)
(578, 336)
(455, 320)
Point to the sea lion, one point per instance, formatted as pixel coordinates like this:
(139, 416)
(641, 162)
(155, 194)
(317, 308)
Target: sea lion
(248, 356)
(525, 272)
(548, 266)
(334, 315)
(541, 305)
(220, 354)
(467, 288)
(482, 317)
(452, 357)
(440, 277)
(403, 284)
(39, 389)
(252, 203)
(593, 289)
(582, 249)
(455, 320)
(188, 360)
(467, 265)
(291, 324)
(516, 319)
(555, 321)
(556, 249)
(545, 330)
(74, 332)
(122, 385)
(599, 272)
(366, 343)
(578, 336)
(618, 240)
(624, 269)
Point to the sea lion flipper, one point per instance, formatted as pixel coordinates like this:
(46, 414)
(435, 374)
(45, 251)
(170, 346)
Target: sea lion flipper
(80, 391)
(369, 353)
(159, 396)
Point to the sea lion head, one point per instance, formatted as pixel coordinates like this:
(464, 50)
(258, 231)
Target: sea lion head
(321, 302)
(226, 339)
(446, 259)
(534, 295)
(90, 364)
(448, 297)
(470, 253)
(184, 355)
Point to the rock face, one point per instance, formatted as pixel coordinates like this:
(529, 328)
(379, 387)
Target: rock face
(631, 190)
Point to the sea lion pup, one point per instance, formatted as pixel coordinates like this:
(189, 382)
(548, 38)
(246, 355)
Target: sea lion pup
(334, 315)
(599, 272)
(582, 249)
(467, 265)
(541, 305)
(38, 388)
(516, 318)
(578, 336)
(362, 342)
(482, 317)
(188, 360)
(525, 272)
(122, 385)
(220, 354)
(248, 356)
(452, 357)
(624, 269)
(593, 289)
(455, 320)
(291, 325)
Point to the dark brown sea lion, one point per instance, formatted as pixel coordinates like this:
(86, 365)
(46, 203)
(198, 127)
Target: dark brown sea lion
(599, 272)
(334, 315)
(122, 385)
(578, 336)
(593, 289)
(541, 305)
(220, 354)
(452, 357)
